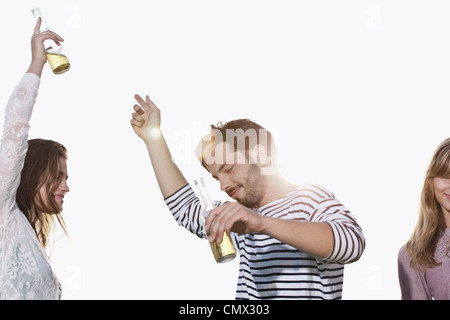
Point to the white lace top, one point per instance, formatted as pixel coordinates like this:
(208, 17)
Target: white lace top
(25, 272)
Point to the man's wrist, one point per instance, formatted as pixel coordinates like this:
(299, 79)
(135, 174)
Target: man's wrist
(152, 134)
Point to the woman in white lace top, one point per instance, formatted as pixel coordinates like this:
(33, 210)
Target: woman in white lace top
(33, 178)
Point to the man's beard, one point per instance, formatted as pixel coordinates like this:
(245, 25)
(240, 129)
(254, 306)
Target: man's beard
(253, 187)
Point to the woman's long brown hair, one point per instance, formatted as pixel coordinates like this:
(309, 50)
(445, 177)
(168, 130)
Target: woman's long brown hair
(41, 168)
(423, 242)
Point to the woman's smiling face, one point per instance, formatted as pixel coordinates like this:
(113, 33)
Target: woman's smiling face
(442, 193)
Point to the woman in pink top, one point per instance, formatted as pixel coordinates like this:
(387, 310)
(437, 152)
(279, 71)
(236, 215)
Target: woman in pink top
(424, 262)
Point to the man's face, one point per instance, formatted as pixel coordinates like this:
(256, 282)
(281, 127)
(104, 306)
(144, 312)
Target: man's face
(241, 181)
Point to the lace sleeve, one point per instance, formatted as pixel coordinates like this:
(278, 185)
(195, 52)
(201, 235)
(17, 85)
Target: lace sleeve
(14, 144)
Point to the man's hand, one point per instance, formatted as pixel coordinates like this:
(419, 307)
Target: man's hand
(232, 216)
(146, 119)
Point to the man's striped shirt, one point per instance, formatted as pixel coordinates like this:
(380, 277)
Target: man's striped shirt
(270, 269)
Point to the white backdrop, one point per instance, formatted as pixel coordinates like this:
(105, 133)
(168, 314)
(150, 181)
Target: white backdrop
(355, 91)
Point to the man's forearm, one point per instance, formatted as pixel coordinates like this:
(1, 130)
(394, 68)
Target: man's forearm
(315, 238)
(167, 173)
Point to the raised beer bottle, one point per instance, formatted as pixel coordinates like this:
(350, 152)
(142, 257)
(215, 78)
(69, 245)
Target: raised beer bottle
(224, 251)
(58, 62)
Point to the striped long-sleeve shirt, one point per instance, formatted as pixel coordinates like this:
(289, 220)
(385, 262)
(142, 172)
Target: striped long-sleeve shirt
(270, 269)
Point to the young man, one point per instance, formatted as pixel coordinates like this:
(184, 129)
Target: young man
(292, 240)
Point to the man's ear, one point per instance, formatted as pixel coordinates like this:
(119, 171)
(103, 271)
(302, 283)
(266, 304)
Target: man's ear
(268, 164)
(258, 155)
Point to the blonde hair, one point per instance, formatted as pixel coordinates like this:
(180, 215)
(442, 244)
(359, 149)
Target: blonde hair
(422, 244)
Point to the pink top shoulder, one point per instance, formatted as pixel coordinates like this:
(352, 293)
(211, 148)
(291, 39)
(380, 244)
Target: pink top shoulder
(433, 283)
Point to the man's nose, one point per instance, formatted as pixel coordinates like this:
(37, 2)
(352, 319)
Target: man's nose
(224, 184)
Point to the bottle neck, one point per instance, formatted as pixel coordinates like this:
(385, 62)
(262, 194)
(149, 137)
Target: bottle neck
(37, 14)
(50, 46)
(203, 196)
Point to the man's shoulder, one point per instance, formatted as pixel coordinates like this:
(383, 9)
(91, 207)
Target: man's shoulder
(313, 191)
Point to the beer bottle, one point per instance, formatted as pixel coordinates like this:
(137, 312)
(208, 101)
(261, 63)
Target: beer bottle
(58, 62)
(224, 251)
